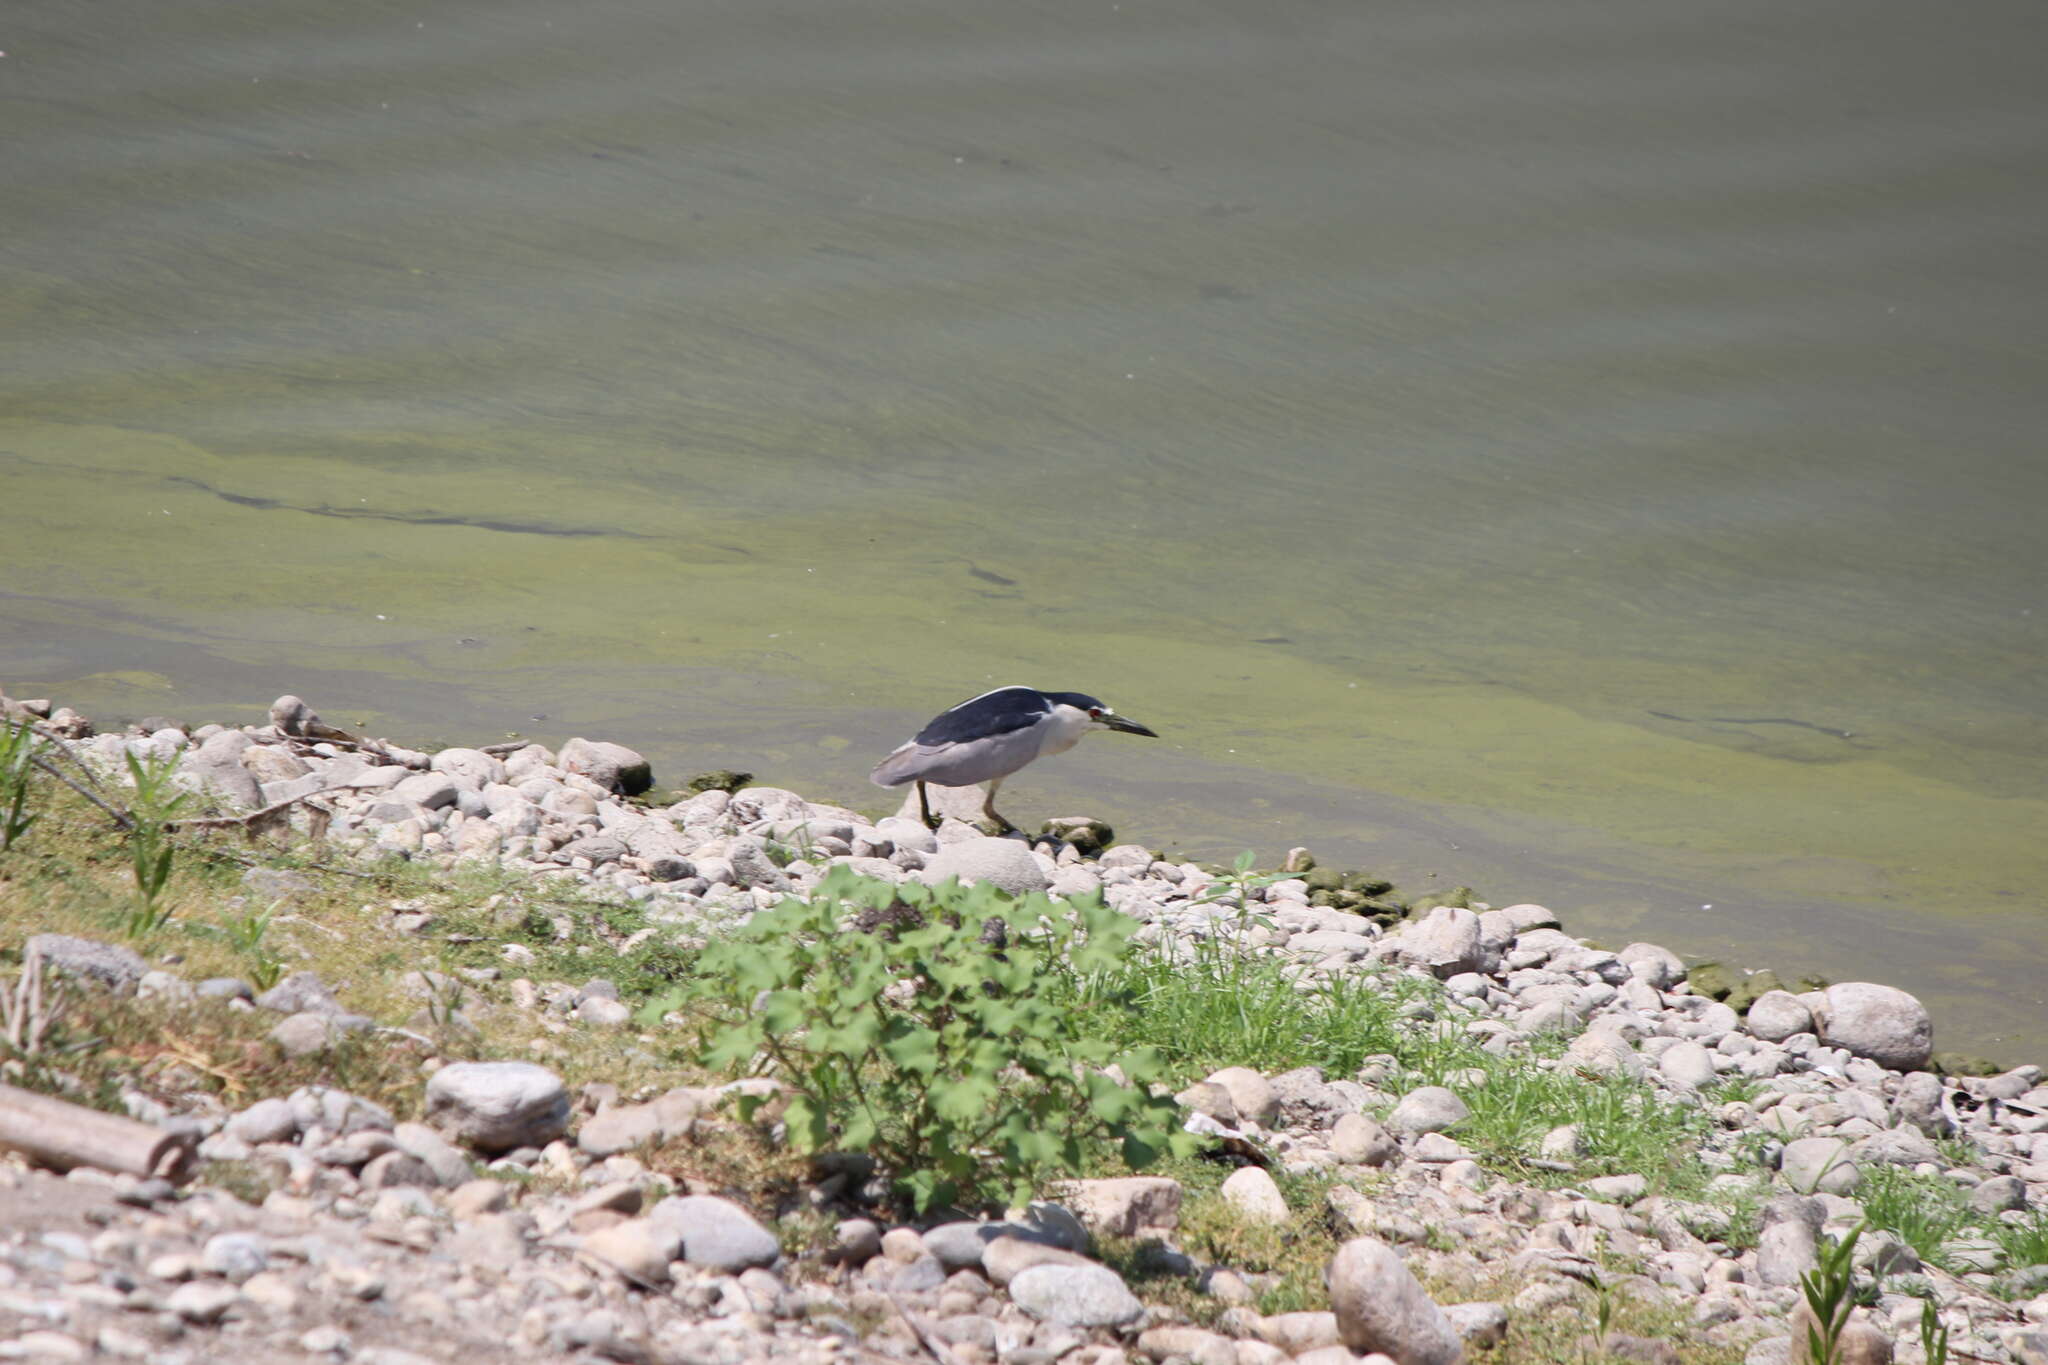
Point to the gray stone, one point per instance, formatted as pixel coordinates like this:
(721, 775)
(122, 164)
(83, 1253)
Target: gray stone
(306, 1033)
(432, 791)
(1901, 1146)
(1787, 1246)
(203, 1301)
(1075, 1295)
(1253, 1193)
(215, 770)
(1882, 1023)
(1122, 1206)
(960, 1246)
(621, 1128)
(1657, 967)
(1381, 1307)
(1251, 1094)
(640, 1248)
(1775, 1016)
(1007, 1257)
(497, 1106)
(1819, 1165)
(1427, 1109)
(264, 1121)
(1007, 864)
(1687, 1065)
(298, 993)
(1999, 1194)
(472, 767)
(752, 866)
(398, 1170)
(716, 1233)
(1446, 941)
(1357, 1139)
(612, 766)
(109, 965)
(1918, 1102)
(225, 988)
(235, 1256)
(1484, 1325)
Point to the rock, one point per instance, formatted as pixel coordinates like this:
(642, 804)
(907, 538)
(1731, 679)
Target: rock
(716, 1233)
(1882, 1023)
(398, 1170)
(235, 1256)
(1359, 1140)
(1381, 1307)
(1252, 1192)
(1918, 1102)
(2000, 1194)
(1087, 834)
(1819, 1165)
(1190, 1344)
(1446, 941)
(1427, 1109)
(473, 768)
(1619, 1189)
(1085, 1295)
(1658, 968)
(1788, 1244)
(299, 993)
(1775, 1016)
(1203, 1097)
(497, 1106)
(1007, 864)
(215, 770)
(1251, 1095)
(264, 1121)
(1121, 1206)
(640, 1248)
(108, 965)
(621, 1128)
(612, 766)
(305, 1034)
(960, 1246)
(293, 717)
(203, 1301)
(1484, 1325)
(1901, 1146)
(1687, 1065)
(752, 866)
(1298, 1333)
(1008, 1257)
(857, 1241)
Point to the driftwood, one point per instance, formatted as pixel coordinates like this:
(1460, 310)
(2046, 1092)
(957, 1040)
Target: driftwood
(63, 1135)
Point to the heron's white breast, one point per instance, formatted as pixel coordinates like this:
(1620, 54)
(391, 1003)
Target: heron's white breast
(1064, 730)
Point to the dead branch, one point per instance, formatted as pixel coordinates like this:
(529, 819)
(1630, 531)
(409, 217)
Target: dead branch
(63, 1135)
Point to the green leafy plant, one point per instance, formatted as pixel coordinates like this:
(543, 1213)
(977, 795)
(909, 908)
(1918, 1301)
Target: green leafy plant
(1829, 1290)
(17, 770)
(1933, 1336)
(245, 934)
(150, 850)
(909, 1023)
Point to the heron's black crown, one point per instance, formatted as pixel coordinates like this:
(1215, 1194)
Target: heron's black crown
(999, 712)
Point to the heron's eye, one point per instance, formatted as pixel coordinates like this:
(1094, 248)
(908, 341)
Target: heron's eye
(1095, 713)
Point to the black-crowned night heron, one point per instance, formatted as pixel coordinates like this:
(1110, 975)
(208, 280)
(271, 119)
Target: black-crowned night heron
(986, 738)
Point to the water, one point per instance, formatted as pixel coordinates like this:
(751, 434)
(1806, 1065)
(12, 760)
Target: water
(1589, 452)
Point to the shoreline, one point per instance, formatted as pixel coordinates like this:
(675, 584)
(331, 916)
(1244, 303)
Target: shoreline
(1754, 1133)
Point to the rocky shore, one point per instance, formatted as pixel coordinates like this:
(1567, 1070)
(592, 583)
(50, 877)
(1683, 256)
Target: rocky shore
(496, 1209)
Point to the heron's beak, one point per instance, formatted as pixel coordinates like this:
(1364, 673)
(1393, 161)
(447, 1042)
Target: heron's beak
(1129, 727)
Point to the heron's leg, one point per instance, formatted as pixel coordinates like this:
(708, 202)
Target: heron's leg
(988, 807)
(925, 807)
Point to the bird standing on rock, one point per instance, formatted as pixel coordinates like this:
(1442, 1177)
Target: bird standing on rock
(986, 738)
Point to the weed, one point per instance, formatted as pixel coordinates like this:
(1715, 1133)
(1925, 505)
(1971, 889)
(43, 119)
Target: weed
(926, 1041)
(1933, 1336)
(150, 849)
(17, 772)
(1925, 1211)
(1829, 1291)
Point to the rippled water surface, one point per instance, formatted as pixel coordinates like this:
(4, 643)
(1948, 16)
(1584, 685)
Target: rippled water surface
(1592, 452)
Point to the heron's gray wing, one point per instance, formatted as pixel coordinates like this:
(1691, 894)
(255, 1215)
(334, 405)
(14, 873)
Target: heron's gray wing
(958, 765)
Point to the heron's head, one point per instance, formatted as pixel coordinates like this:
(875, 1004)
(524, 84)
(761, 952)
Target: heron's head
(1100, 715)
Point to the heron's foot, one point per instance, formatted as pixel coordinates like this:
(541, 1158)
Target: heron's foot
(924, 806)
(997, 824)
